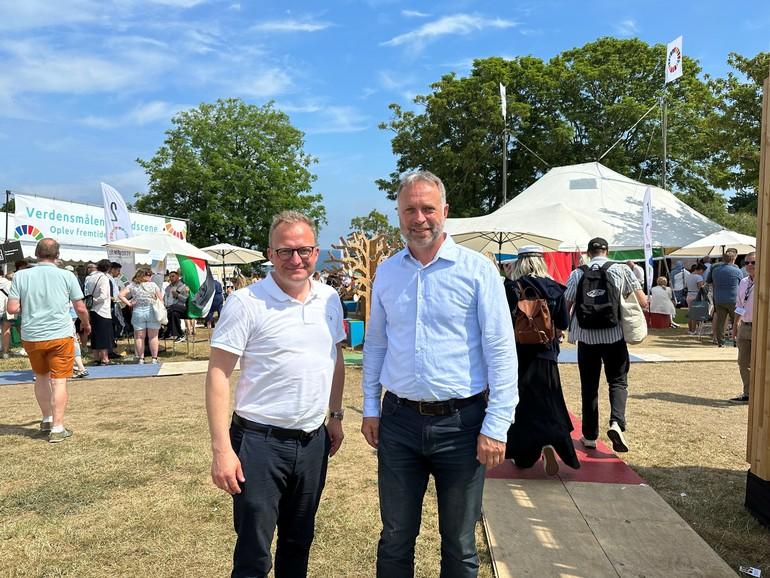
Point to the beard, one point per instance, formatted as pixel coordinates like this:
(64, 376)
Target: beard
(414, 239)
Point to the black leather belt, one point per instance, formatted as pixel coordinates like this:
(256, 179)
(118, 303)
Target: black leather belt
(278, 432)
(437, 408)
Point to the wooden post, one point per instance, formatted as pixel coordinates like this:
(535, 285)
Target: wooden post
(758, 445)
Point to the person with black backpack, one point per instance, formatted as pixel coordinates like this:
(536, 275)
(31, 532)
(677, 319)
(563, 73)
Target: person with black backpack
(593, 294)
(542, 424)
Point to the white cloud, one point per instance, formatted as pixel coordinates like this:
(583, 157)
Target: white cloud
(267, 83)
(32, 66)
(29, 14)
(178, 3)
(413, 14)
(290, 26)
(145, 113)
(236, 7)
(304, 108)
(340, 119)
(457, 24)
(626, 28)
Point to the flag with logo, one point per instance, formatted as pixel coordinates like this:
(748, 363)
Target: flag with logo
(196, 274)
(117, 224)
(674, 59)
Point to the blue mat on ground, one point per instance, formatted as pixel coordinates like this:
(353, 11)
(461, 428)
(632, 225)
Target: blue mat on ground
(115, 371)
(570, 356)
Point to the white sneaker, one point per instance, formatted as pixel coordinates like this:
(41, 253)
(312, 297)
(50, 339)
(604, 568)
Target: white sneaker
(588, 444)
(141, 361)
(617, 438)
(155, 361)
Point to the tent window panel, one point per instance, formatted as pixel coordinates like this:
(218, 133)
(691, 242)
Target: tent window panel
(580, 184)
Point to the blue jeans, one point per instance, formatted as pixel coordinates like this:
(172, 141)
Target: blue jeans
(284, 481)
(411, 448)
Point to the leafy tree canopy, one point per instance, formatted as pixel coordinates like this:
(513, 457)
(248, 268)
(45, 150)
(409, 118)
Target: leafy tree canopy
(736, 135)
(568, 110)
(229, 167)
(375, 223)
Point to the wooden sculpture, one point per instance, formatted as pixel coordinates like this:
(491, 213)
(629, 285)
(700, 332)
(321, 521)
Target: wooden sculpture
(360, 258)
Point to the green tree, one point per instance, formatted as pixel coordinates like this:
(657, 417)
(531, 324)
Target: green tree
(375, 223)
(229, 167)
(736, 134)
(568, 110)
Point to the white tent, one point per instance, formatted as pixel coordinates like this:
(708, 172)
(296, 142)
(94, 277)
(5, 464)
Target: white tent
(578, 202)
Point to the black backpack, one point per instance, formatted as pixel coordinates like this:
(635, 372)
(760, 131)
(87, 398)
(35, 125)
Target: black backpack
(597, 302)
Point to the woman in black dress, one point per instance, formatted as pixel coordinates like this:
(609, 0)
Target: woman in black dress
(100, 287)
(542, 424)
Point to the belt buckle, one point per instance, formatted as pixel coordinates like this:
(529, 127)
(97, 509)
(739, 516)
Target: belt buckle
(431, 408)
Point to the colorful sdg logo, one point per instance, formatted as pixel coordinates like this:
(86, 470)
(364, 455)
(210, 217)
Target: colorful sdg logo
(171, 230)
(117, 232)
(22, 231)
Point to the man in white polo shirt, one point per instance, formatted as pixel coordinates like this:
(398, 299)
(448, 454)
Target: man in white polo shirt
(287, 331)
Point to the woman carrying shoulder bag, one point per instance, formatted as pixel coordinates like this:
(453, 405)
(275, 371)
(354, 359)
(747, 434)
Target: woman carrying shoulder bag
(101, 313)
(140, 295)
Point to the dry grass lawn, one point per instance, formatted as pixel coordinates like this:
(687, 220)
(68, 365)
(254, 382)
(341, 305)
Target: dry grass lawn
(129, 494)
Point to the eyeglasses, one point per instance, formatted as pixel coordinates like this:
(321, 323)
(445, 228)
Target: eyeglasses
(285, 253)
(750, 263)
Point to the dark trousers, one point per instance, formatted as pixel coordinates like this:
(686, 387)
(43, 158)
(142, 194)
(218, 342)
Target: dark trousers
(614, 356)
(411, 448)
(176, 313)
(284, 481)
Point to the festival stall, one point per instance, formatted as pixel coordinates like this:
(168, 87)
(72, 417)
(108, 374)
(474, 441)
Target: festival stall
(78, 227)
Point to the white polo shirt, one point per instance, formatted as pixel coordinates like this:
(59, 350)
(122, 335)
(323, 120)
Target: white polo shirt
(288, 350)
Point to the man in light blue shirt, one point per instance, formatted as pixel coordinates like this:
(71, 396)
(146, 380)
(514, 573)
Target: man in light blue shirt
(440, 341)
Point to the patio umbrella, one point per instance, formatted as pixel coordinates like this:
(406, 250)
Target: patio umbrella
(228, 254)
(233, 255)
(716, 244)
(161, 242)
(484, 236)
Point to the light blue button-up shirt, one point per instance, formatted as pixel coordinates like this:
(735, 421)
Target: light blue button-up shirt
(442, 331)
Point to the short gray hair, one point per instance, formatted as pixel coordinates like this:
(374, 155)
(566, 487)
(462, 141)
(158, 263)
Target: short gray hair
(290, 218)
(424, 176)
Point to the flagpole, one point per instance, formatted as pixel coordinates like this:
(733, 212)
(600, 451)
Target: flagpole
(505, 165)
(504, 109)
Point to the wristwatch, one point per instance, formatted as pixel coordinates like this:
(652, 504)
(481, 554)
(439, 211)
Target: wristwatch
(337, 414)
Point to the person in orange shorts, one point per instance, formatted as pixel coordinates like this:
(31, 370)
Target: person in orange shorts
(43, 295)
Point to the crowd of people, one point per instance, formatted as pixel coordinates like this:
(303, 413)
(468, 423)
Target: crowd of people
(460, 371)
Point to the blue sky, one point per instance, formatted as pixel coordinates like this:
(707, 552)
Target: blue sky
(87, 86)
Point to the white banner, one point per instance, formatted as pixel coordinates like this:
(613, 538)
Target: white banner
(117, 223)
(674, 59)
(503, 102)
(647, 228)
(78, 224)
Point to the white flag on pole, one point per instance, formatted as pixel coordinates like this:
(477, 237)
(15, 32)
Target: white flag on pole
(674, 59)
(647, 228)
(117, 224)
(503, 102)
